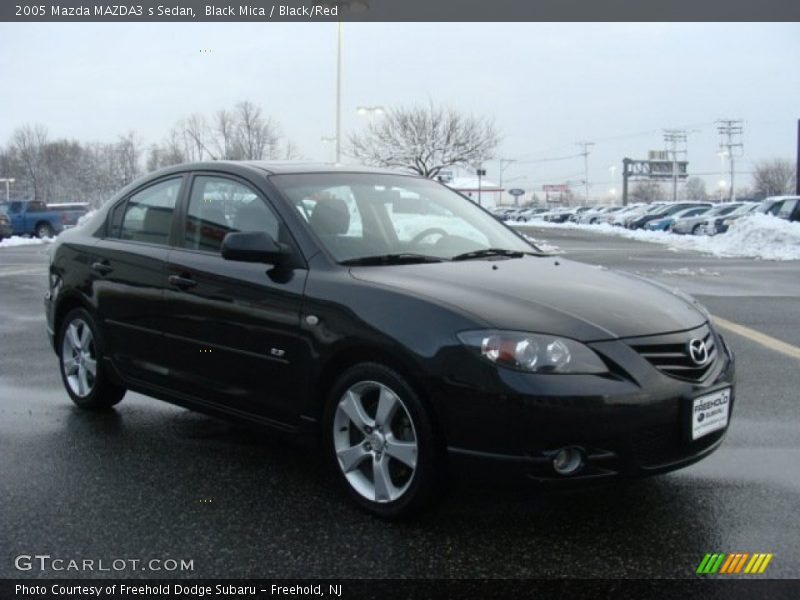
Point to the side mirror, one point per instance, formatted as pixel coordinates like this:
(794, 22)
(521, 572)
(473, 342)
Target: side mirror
(253, 246)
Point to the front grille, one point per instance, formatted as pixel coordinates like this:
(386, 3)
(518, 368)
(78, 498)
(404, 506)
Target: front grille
(670, 353)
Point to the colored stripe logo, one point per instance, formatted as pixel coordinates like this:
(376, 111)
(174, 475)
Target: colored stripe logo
(733, 563)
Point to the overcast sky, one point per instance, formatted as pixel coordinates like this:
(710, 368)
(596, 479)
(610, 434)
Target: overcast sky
(547, 85)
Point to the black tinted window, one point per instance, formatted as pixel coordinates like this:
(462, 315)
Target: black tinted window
(218, 206)
(148, 214)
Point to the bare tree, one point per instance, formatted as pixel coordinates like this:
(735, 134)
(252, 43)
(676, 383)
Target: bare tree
(647, 192)
(696, 189)
(773, 178)
(29, 141)
(425, 140)
(128, 150)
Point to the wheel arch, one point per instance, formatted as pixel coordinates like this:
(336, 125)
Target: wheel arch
(350, 356)
(65, 304)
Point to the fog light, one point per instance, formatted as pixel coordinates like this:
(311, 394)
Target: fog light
(568, 461)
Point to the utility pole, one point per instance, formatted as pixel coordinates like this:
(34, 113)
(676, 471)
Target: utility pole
(730, 131)
(673, 138)
(585, 154)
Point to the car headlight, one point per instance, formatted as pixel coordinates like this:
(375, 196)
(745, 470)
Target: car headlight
(533, 352)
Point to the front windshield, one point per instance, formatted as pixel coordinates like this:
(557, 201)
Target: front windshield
(357, 215)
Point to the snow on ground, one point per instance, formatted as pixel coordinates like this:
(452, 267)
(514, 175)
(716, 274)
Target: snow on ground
(760, 236)
(543, 245)
(684, 271)
(18, 240)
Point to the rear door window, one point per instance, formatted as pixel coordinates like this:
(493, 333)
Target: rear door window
(148, 213)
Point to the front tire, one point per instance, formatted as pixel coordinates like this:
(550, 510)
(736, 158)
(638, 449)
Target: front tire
(381, 442)
(81, 366)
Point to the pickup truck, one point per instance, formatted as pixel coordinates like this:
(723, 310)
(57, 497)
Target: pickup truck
(33, 217)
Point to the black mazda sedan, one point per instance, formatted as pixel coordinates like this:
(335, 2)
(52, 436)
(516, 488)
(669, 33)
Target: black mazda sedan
(389, 317)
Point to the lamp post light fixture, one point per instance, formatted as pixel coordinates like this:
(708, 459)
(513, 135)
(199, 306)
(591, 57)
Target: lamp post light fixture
(370, 112)
(7, 181)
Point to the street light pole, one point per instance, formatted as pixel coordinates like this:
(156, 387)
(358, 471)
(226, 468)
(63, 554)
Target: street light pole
(339, 92)
(8, 180)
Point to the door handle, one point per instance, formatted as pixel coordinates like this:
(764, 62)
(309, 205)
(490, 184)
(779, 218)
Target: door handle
(181, 282)
(102, 267)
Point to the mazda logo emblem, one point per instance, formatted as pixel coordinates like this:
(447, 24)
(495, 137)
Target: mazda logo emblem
(698, 352)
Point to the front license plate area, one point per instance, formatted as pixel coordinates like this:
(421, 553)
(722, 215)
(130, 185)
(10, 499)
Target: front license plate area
(710, 413)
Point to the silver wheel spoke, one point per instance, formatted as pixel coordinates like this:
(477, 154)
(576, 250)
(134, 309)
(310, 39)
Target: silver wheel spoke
(353, 408)
(384, 488)
(350, 458)
(91, 365)
(70, 366)
(86, 338)
(83, 383)
(405, 452)
(387, 405)
(73, 337)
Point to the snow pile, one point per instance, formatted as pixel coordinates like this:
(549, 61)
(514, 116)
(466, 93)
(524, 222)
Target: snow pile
(18, 240)
(83, 218)
(758, 236)
(543, 245)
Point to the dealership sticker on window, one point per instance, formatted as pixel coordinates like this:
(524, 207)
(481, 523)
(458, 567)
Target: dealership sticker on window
(710, 413)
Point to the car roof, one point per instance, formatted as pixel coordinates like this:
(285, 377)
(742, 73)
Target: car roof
(280, 167)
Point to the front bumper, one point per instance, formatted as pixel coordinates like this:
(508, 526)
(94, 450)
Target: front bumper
(626, 425)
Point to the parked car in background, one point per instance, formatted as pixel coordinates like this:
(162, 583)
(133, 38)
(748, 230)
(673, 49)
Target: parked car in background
(665, 223)
(529, 214)
(563, 215)
(790, 209)
(720, 224)
(774, 205)
(695, 224)
(644, 209)
(665, 210)
(618, 218)
(33, 217)
(597, 214)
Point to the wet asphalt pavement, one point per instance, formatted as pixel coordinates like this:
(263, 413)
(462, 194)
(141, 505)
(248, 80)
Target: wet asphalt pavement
(153, 481)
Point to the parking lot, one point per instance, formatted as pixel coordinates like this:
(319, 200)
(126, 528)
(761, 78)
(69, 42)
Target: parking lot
(153, 481)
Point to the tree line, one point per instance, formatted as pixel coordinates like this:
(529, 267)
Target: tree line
(63, 170)
(424, 139)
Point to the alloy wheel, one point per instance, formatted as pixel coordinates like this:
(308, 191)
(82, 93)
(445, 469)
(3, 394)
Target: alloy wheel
(79, 358)
(375, 441)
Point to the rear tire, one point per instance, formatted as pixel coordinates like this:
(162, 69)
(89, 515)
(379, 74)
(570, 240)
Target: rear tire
(696, 230)
(381, 443)
(44, 230)
(80, 362)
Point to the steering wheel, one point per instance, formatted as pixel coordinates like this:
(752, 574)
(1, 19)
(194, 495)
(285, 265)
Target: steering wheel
(426, 232)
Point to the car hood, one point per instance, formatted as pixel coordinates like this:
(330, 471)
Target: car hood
(546, 295)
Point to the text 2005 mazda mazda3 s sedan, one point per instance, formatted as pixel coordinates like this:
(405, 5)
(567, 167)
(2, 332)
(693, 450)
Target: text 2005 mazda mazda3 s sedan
(389, 316)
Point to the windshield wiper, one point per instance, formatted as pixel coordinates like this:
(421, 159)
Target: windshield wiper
(402, 258)
(485, 252)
